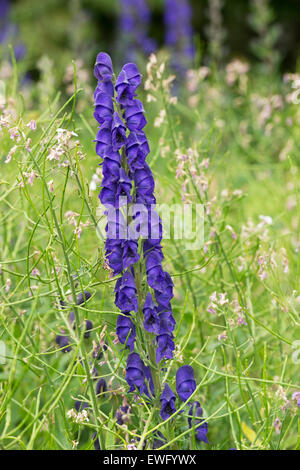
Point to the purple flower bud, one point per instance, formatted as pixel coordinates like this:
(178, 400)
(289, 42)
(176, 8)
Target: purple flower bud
(63, 342)
(101, 387)
(151, 320)
(103, 67)
(126, 329)
(114, 255)
(88, 328)
(134, 115)
(83, 297)
(195, 415)
(167, 400)
(185, 382)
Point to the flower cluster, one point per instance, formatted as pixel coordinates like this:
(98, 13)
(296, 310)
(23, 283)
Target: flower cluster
(134, 21)
(179, 34)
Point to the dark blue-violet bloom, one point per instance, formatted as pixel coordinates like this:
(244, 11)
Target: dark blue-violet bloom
(88, 325)
(135, 372)
(134, 115)
(118, 132)
(151, 320)
(80, 405)
(165, 347)
(195, 419)
(64, 343)
(144, 183)
(167, 400)
(114, 254)
(137, 149)
(104, 107)
(130, 253)
(125, 289)
(185, 382)
(116, 194)
(127, 83)
(101, 387)
(126, 331)
(83, 297)
(103, 67)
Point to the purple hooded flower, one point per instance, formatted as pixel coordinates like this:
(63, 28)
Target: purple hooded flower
(195, 415)
(126, 331)
(116, 194)
(135, 372)
(134, 115)
(83, 297)
(137, 149)
(127, 83)
(130, 253)
(63, 342)
(167, 400)
(151, 320)
(144, 184)
(118, 131)
(103, 67)
(80, 405)
(114, 254)
(104, 87)
(165, 347)
(101, 387)
(104, 108)
(104, 140)
(185, 382)
(126, 299)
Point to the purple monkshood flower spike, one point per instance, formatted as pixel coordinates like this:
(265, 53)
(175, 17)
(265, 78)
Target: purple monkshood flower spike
(134, 21)
(126, 331)
(185, 382)
(195, 418)
(167, 400)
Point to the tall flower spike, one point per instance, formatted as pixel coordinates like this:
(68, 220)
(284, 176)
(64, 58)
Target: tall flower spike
(179, 34)
(134, 21)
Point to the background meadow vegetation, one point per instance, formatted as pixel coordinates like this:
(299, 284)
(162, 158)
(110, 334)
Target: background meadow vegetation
(229, 141)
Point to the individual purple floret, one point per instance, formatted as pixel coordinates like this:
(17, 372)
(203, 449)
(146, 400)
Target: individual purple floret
(195, 418)
(126, 331)
(151, 320)
(83, 297)
(185, 382)
(63, 342)
(167, 400)
(101, 387)
(80, 405)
